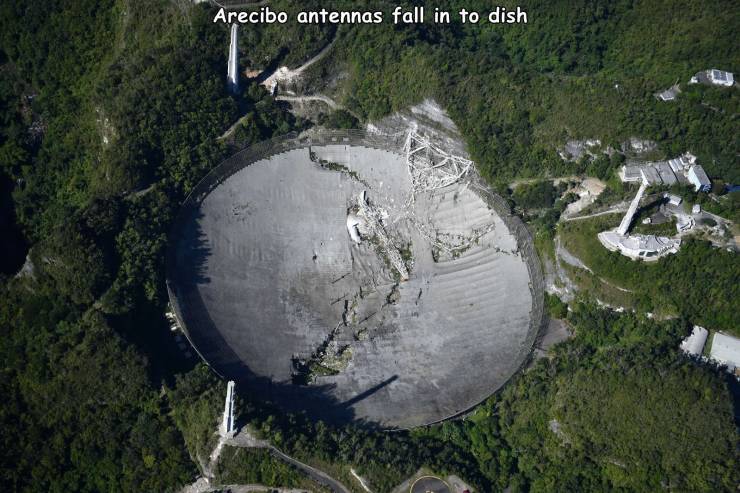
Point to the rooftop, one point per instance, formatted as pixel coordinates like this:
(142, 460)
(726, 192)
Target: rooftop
(669, 94)
(660, 172)
(714, 76)
(694, 344)
(700, 174)
(726, 350)
(637, 246)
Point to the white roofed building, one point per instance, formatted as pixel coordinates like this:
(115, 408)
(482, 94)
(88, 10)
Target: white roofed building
(714, 77)
(721, 78)
(726, 350)
(630, 173)
(682, 163)
(698, 177)
(693, 345)
(673, 199)
(639, 247)
(660, 172)
(669, 94)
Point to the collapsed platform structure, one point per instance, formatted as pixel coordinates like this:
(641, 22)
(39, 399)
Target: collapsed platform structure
(283, 275)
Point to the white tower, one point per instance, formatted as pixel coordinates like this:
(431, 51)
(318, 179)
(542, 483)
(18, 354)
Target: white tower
(627, 220)
(227, 424)
(233, 70)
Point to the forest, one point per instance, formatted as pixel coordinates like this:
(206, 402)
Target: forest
(111, 113)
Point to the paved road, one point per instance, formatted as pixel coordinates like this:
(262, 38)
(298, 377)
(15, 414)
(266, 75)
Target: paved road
(318, 476)
(245, 439)
(248, 488)
(315, 97)
(284, 74)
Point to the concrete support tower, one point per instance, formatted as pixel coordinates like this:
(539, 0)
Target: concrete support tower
(227, 424)
(627, 219)
(233, 70)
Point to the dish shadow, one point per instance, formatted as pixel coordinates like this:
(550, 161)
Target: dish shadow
(186, 269)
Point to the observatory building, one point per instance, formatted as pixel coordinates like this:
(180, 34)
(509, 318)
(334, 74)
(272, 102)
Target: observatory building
(637, 246)
(714, 77)
(670, 172)
(698, 177)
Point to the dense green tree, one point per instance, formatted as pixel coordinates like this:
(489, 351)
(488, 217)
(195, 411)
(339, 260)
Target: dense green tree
(113, 111)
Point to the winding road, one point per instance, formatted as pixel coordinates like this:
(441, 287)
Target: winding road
(319, 476)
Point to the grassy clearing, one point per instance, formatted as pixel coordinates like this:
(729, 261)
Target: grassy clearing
(598, 289)
(258, 466)
(580, 237)
(698, 283)
(667, 228)
(338, 471)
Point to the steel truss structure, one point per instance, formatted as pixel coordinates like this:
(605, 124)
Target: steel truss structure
(429, 166)
(432, 168)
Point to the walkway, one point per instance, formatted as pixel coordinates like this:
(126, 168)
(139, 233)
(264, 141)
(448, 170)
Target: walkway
(244, 439)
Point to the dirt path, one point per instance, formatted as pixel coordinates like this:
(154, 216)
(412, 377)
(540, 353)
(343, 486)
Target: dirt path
(568, 257)
(232, 128)
(284, 75)
(620, 207)
(317, 475)
(563, 254)
(316, 97)
(556, 180)
(244, 439)
(360, 479)
(558, 281)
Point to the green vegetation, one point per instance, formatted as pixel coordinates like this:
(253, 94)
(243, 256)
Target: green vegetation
(112, 112)
(338, 119)
(643, 386)
(384, 459)
(555, 307)
(667, 228)
(577, 422)
(699, 282)
(338, 167)
(726, 205)
(604, 167)
(196, 403)
(517, 92)
(594, 287)
(540, 203)
(538, 195)
(75, 392)
(258, 466)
